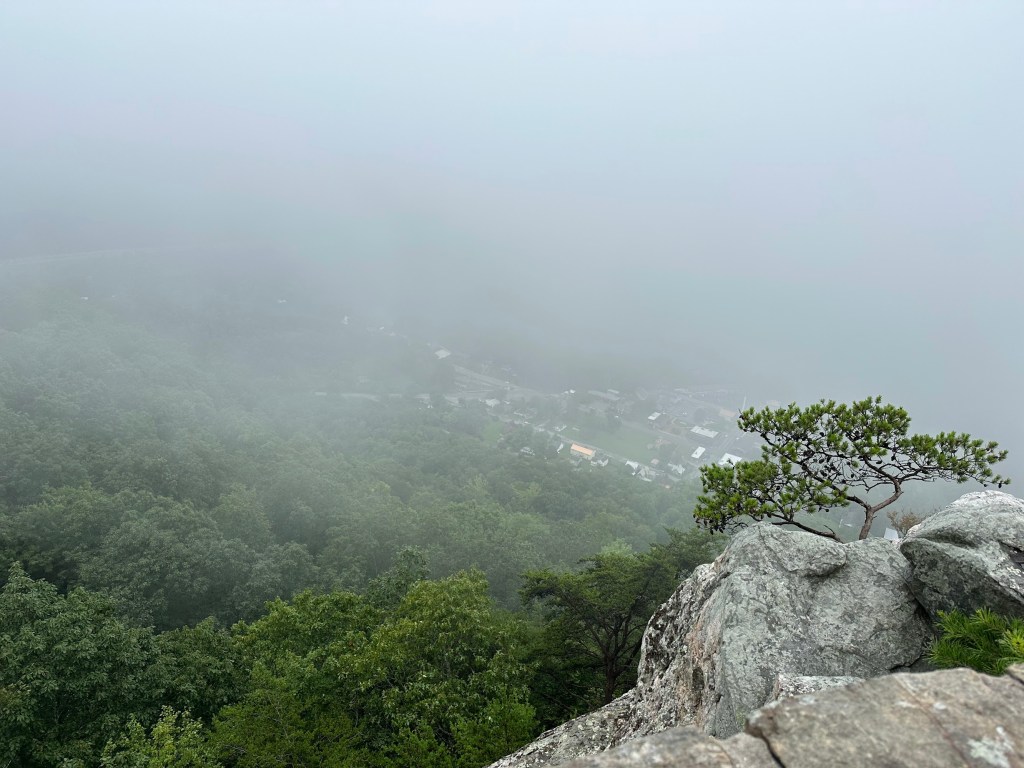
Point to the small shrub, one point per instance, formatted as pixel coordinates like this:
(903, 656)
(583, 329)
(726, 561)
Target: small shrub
(985, 642)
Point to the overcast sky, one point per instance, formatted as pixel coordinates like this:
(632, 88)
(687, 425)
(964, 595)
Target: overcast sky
(806, 198)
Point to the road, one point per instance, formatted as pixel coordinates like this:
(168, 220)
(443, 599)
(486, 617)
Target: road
(476, 384)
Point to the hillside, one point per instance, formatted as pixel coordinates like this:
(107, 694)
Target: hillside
(209, 504)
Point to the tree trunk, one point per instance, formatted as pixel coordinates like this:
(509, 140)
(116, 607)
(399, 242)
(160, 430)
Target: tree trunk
(869, 518)
(610, 678)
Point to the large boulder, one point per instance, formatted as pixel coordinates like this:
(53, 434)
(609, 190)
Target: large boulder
(933, 720)
(970, 555)
(774, 603)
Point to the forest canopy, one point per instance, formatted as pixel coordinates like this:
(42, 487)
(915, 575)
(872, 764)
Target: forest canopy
(195, 537)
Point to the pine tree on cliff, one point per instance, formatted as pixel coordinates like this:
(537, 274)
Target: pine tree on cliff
(831, 455)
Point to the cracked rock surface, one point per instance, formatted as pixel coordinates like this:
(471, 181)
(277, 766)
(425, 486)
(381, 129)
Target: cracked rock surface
(933, 720)
(774, 603)
(970, 555)
(800, 618)
(784, 615)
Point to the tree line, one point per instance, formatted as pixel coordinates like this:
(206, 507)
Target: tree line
(210, 565)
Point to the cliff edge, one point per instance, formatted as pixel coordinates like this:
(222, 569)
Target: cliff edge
(783, 615)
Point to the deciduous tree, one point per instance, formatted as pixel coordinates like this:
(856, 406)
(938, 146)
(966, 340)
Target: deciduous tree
(71, 674)
(175, 741)
(595, 616)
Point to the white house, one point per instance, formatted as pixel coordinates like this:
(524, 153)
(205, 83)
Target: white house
(729, 460)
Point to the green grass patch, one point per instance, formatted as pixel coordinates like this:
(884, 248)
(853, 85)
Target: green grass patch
(629, 443)
(493, 431)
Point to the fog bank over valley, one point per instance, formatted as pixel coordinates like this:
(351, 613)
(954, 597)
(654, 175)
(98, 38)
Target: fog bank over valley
(373, 378)
(788, 201)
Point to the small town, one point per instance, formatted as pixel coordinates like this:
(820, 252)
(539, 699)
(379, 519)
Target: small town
(656, 435)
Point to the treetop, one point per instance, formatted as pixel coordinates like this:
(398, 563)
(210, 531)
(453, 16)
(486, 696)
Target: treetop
(831, 455)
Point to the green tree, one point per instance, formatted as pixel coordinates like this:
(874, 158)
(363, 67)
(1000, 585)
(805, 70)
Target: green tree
(505, 723)
(175, 741)
(53, 537)
(169, 565)
(420, 673)
(832, 455)
(595, 616)
(295, 711)
(282, 570)
(421, 748)
(35, 457)
(447, 660)
(200, 668)
(388, 589)
(288, 719)
(985, 641)
(683, 552)
(239, 514)
(71, 674)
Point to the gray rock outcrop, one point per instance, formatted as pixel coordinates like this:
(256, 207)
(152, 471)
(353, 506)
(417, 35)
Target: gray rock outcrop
(787, 685)
(593, 732)
(682, 748)
(933, 720)
(784, 615)
(775, 602)
(970, 555)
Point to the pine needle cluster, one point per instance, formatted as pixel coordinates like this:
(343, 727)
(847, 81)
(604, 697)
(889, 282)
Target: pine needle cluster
(984, 641)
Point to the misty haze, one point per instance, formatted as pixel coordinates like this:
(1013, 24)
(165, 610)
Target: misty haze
(347, 349)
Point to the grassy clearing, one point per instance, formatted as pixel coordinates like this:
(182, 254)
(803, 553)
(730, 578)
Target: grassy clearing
(493, 431)
(631, 443)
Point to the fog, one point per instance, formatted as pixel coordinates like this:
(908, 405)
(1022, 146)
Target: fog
(790, 200)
